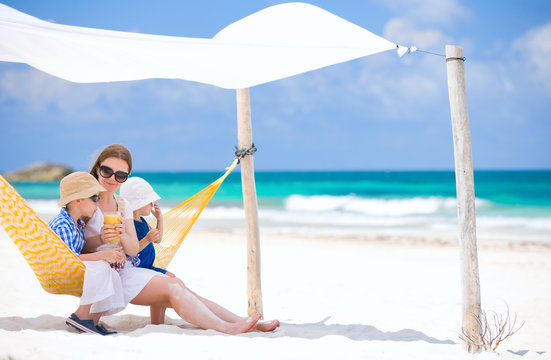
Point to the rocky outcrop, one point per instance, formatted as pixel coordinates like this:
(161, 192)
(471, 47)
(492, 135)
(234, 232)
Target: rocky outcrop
(39, 172)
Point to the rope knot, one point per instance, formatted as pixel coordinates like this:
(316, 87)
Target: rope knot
(456, 58)
(241, 153)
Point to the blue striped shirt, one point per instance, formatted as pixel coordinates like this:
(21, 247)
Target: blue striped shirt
(70, 232)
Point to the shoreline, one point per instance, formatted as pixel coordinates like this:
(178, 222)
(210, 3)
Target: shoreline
(273, 235)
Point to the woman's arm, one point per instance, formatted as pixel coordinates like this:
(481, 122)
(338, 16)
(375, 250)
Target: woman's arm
(127, 231)
(129, 239)
(145, 241)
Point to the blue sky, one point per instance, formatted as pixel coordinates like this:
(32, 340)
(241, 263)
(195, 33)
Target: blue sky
(381, 112)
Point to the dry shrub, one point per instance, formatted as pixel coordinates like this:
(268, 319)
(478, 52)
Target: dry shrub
(493, 330)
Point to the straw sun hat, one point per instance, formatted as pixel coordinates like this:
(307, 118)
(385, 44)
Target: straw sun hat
(138, 192)
(78, 185)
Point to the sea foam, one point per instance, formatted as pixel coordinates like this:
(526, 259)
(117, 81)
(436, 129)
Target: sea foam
(371, 206)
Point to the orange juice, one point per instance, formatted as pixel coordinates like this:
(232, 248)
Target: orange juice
(112, 218)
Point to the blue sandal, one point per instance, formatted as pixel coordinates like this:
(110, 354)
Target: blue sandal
(86, 326)
(104, 331)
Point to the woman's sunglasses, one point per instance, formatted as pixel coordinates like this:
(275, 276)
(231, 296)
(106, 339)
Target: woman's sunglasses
(94, 198)
(107, 172)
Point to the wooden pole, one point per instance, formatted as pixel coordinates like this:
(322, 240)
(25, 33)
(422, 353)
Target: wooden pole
(464, 179)
(245, 141)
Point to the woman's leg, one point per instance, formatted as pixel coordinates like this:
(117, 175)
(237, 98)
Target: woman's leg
(228, 316)
(164, 291)
(218, 310)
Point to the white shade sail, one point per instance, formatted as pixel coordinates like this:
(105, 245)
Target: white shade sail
(274, 43)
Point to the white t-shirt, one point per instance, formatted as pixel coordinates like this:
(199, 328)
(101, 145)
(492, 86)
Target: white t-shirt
(93, 227)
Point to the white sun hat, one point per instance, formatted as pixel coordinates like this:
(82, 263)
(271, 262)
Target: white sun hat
(138, 192)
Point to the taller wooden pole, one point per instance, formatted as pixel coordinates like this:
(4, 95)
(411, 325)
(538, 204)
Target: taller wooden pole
(245, 141)
(464, 179)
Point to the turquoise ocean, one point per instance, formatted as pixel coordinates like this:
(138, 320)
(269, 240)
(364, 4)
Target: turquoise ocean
(510, 205)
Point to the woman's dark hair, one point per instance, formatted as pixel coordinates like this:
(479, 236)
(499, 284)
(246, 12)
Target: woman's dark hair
(112, 151)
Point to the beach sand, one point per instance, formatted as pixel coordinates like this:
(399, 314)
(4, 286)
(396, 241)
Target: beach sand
(336, 297)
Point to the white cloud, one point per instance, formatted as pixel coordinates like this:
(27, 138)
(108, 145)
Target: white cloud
(275, 124)
(404, 88)
(35, 92)
(521, 69)
(429, 12)
(534, 52)
(489, 79)
(170, 92)
(384, 85)
(404, 32)
(301, 94)
(421, 22)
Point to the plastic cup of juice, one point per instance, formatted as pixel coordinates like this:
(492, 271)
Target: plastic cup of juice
(112, 218)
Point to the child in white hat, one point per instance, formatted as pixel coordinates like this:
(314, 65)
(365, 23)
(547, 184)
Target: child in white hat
(102, 292)
(142, 197)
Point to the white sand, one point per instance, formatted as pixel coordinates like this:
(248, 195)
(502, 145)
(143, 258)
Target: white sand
(335, 298)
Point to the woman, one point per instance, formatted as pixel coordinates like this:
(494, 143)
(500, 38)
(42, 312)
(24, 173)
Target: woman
(144, 286)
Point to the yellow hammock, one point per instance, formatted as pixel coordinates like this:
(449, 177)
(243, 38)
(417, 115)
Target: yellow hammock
(57, 268)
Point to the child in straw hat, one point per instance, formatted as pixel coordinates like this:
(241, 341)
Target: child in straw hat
(102, 292)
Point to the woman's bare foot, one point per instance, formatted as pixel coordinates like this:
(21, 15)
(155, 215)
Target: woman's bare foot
(267, 326)
(243, 326)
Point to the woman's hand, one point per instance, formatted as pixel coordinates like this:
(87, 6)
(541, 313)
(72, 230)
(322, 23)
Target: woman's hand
(120, 228)
(114, 255)
(108, 233)
(154, 235)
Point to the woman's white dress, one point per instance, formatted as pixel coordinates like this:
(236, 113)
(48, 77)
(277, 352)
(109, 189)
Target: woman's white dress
(132, 279)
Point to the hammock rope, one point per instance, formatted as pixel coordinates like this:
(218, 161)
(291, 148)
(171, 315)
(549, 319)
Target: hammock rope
(178, 221)
(241, 153)
(56, 267)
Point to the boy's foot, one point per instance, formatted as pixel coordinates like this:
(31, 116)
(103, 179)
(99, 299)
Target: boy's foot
(104, 331)
(86, 326)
